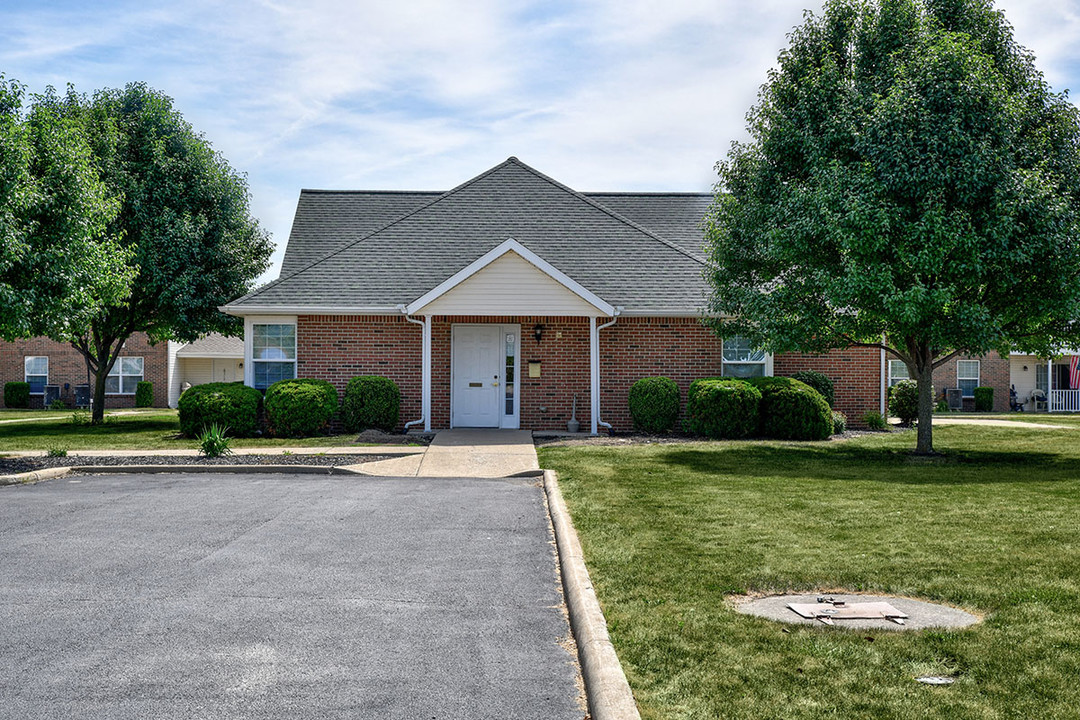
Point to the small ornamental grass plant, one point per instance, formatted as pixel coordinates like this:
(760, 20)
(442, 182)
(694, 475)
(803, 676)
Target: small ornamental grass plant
(214, 441)
(654, 404)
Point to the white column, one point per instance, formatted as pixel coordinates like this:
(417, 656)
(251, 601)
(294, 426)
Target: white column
(1049, 384)
(425, 390)
(594, 373)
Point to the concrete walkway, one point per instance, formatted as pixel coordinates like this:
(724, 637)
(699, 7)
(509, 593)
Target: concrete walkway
(990, 422)
(465, 452)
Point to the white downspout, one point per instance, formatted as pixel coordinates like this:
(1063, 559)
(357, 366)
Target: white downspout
(425, 372)
(594, 361)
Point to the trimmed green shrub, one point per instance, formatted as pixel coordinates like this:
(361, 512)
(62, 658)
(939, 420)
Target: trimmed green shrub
(984, 399)
(698, 384)
(654, 404)
(942, 406)
(839, 422)
(792, 410)
(58, 404)
(300, 408)
(722, 408)
(17, 394)
(230, 405)
(875, 420)
(820, 382)
(144, 394)
(904, 401)
(370, 401)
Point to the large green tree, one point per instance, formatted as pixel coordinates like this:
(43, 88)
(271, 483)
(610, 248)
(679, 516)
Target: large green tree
(184, 218)
(911, 183)
(58, 266)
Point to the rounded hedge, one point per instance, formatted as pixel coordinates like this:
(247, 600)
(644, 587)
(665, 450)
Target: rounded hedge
(984, 399)
(370, 401)
(232, 405)
(904, 401)
(144, 394)
(723, 408)
(17, 394)
(792, 410)
(820, 382)
(654, 404)
(300, 408)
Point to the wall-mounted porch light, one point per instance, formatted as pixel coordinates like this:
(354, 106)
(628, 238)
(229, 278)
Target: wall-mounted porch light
(538, 332)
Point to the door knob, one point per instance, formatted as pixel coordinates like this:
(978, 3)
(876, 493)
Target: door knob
(496, 383)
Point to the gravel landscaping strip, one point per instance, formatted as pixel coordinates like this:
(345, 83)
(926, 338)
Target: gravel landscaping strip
(11, 466)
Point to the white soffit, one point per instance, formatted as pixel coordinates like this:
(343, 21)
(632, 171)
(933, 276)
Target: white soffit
(510, 279)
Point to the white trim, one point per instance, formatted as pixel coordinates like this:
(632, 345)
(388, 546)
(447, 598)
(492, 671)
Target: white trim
(511, 245)
(27, 375)
(246, 310)
(249, 365)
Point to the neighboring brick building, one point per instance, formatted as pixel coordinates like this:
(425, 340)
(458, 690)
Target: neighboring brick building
(41, 361)
(507, 300)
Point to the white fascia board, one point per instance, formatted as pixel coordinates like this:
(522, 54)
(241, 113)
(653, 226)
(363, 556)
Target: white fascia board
(212, 355)
(245, 310)
(511, 245)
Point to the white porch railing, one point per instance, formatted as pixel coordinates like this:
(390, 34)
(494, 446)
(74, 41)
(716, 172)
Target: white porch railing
(1065, 401)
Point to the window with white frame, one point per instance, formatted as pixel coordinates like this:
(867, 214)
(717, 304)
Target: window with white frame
(36, 373)
(742, 360)
(125, 376)
(967, 377)
(898, 371)
(273, 353)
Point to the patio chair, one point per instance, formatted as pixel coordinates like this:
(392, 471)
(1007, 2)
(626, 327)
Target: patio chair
(1038, 399)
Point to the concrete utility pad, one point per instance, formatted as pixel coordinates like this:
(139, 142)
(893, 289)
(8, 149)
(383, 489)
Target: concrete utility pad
(920, 614)
(278, 596)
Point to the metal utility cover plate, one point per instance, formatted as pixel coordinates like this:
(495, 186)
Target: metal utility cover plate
(852, 611)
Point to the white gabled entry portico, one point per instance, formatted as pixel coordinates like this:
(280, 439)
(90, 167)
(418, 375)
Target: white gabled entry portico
(509, 280)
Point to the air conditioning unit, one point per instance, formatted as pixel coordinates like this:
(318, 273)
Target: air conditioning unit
(82, 396)
(955, 398)
(52, 394)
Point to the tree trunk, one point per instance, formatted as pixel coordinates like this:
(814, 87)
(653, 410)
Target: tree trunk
(924, 444)
(98, 405)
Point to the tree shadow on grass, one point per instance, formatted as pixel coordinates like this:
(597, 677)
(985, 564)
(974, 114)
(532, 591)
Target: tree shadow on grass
(850, 462)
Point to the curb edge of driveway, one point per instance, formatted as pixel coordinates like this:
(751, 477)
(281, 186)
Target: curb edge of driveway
(606, 688)
(55, 472)
(34, 476)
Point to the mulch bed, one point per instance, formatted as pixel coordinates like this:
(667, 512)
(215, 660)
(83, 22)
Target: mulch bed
(11, 466)
(673, 439)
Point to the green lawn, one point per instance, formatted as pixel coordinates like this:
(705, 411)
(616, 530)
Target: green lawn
(1070, 419)
(147, 430)
(671, 532)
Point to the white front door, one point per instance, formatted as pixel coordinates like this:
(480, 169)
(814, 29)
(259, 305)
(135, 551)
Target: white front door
(477, 375)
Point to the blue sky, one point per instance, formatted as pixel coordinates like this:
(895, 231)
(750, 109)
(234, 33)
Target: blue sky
(424, 94)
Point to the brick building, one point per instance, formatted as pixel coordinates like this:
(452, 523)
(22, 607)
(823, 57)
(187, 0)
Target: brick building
(510, 301)
(43, 362)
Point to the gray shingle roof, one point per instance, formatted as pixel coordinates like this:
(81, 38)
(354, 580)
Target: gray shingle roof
(418, 247)
(213, 345)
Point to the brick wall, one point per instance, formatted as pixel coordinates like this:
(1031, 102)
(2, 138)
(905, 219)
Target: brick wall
(337, 348)
(67, 366)
(994, 371)
(855, 372)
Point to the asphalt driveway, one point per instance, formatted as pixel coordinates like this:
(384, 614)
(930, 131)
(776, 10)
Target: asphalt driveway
(279, 596)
